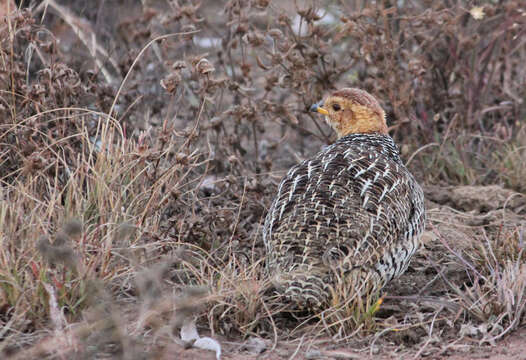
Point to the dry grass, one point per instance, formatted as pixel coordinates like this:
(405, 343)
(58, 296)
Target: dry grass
(126, 210)
(496, 295)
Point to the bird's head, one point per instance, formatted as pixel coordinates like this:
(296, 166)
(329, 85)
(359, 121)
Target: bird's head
(352, 111)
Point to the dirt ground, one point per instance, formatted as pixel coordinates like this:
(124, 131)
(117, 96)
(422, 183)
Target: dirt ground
(512, 347)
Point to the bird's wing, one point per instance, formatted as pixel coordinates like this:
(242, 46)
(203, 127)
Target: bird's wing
(345, 207)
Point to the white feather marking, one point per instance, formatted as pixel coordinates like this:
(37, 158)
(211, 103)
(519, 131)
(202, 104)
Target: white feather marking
(395, 184)
(326, 164)
(360, 173)
(383, 194)
(307, 190)
(386, 171)
(309, 169)
(365, 200)
(282, 210)
(320, 177)
(292, 171)
(365, 187)
(294, 184)
(279, 189)
(373, 164)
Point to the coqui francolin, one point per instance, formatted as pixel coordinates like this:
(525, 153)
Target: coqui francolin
(351, 214)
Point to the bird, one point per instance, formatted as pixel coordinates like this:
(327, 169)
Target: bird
(352, 214)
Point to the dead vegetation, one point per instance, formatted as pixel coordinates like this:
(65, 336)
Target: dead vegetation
(138, 157)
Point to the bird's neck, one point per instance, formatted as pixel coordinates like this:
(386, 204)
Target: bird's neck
(362, 127)
(362, 121)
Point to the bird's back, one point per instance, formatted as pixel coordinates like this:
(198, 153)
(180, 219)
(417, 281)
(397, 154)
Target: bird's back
(353, 207)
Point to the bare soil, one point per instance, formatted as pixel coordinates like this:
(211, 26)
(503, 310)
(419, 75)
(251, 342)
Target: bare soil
(512, 347)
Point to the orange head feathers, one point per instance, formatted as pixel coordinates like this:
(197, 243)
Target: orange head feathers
(352, 111)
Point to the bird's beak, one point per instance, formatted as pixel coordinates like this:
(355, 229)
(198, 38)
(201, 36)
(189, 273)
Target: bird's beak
(318, 108)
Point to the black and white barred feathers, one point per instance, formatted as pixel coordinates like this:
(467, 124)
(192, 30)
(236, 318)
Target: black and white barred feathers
(353, 208)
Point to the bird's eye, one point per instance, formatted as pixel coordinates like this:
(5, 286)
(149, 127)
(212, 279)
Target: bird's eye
(336, 107)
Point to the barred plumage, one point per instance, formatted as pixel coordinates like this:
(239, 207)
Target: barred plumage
(353, 210)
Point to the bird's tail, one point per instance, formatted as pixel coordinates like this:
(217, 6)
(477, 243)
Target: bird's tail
(304, 290)
(316, 291)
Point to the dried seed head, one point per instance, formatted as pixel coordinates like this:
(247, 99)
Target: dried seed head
(270, 82)
(204, 66)
(33, 163)
(232, 159)
(284, 20)
(178, 65)
(310, 14)
(285, 81)
(181, 158)
(296, 59)
(245, 69)
(171, 82)
(254, 38)
(241, 29)
(189, 28)
(284, 46)
(262, 4)
(275, 34)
